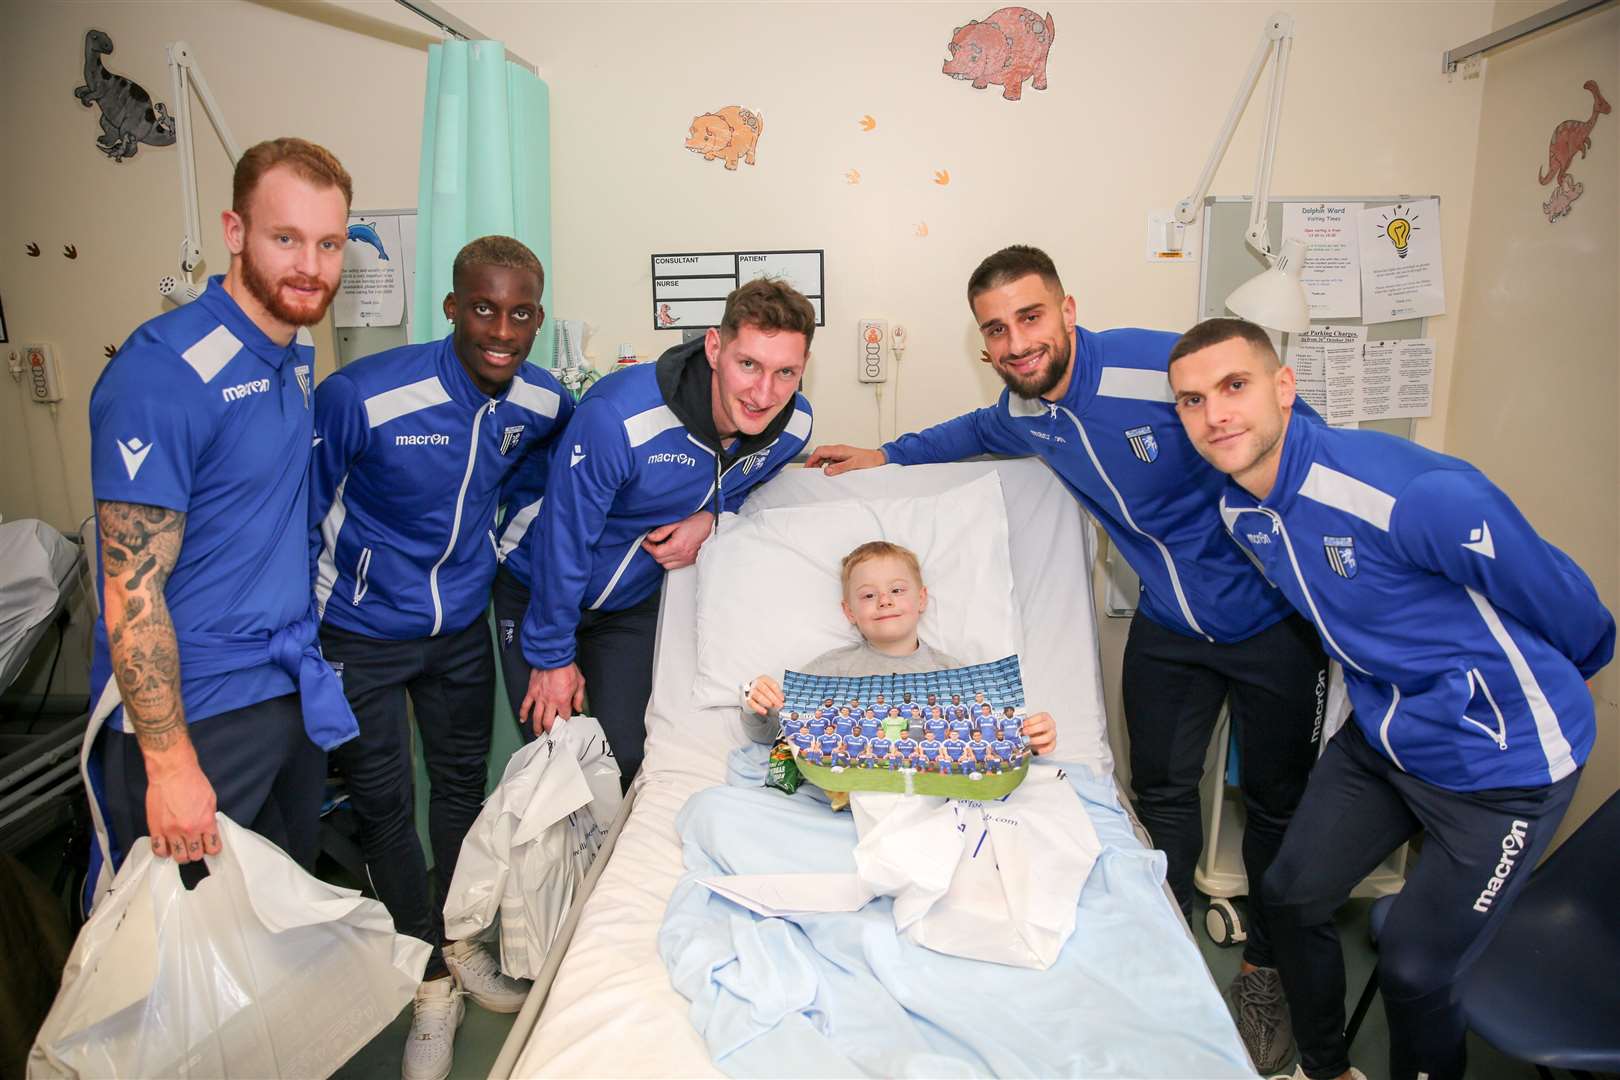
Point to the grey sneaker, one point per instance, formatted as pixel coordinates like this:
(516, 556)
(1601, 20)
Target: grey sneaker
(1257, 1002)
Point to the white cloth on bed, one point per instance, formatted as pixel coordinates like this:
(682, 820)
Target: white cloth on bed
(844, 995)
(995, 881)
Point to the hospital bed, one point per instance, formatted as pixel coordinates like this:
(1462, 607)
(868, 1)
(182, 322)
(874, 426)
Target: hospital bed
(40, 570)
(604, 1005)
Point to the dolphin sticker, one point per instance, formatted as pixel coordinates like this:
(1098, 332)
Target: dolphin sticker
(367, 234)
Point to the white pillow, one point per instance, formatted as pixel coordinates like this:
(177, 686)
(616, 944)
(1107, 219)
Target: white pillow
(768, 582)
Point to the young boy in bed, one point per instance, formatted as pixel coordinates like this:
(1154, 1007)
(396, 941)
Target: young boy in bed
(884, 598)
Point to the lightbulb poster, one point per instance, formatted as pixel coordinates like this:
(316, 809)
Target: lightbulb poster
(1402, 276)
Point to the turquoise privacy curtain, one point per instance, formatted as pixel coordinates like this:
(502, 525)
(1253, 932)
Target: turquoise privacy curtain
(486, 168)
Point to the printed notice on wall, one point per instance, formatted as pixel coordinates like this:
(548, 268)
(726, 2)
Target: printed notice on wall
(372, 289)
(1307, 355)
(1332, 270)
(689, 290)
(1378, 380)
(1341, 370)
(1397, 379)
(1401, 272)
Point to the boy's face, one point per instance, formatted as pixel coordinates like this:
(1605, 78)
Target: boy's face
(885, 600)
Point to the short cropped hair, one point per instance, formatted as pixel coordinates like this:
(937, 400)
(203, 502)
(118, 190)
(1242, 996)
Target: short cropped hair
(1008, 265)
(1214, 331)
(307, 160)
(770, 306)
(496, 251)
(878, 549)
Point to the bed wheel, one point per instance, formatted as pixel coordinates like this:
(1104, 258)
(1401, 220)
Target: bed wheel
(1223, 922)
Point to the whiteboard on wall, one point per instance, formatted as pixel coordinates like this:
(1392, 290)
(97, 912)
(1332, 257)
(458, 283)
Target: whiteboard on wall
(1228, 262)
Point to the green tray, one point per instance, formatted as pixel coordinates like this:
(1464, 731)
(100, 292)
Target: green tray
(988, 786)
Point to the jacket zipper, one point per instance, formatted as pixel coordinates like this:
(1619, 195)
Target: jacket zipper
(1119, 500)
(710, 498)
(1327, 635)
(1499, 736)
(455, 523)
(361, 566)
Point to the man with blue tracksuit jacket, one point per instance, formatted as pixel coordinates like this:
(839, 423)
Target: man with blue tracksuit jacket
(413, 447)
(205, 673)
(652, 457)
(1096, 407)
(1465, 639)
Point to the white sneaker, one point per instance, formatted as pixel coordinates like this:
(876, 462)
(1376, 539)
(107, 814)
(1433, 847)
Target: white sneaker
(479, 975)
(1299, 1074)
(430, 1046)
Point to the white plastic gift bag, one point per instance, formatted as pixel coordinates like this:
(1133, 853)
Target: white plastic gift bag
(996, 881)
(531, 845)
(261, 970)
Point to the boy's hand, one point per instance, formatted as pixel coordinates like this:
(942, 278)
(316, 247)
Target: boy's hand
(765, 696)
(676, 545)
(839, 458)
(1041, 731)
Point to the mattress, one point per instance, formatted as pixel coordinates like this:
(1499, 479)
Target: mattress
(610, 1009)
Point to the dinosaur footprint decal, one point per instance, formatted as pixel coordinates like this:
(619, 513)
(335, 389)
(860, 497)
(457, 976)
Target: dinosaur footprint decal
(33, 250)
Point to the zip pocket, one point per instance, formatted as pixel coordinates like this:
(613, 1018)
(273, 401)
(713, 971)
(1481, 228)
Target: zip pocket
(1498, 736)
(361, 565)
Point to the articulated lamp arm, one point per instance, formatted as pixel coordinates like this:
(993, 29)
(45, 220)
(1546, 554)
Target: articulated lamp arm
(185, 75)
(1278, 32)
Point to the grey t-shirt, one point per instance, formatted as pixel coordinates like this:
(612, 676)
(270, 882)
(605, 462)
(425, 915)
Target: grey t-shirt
(853, 661)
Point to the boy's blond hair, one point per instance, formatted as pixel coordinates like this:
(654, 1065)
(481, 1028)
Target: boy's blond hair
(878, 549)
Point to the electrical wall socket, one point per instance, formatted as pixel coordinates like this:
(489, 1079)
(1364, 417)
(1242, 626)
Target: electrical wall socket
(871, 361)
(44, 378)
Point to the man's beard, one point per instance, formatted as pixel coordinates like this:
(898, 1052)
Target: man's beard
(1044, 382)
(268, 293)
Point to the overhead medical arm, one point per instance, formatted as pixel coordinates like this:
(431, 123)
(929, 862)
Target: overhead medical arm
(1276, 42)
(185, 72)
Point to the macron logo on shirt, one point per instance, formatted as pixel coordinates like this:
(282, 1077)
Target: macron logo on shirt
(134, 453)
(1479, 541)
(242, 390)
(576, 457)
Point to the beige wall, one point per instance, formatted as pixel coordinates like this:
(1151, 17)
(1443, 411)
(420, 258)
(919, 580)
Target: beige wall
(1535, 391)
(1137, 91)
(351, 80)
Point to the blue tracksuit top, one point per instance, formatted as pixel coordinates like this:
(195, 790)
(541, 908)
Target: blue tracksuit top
(1465, 637)
(200, 412)
(409, 463)
(625, 466)
(1115, 441)
(521, 497)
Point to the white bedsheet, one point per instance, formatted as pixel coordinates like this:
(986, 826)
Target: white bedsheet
(612, 1010)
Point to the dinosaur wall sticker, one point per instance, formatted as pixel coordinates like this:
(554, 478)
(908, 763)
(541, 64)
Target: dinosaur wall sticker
(1568, 139)
(129, 116)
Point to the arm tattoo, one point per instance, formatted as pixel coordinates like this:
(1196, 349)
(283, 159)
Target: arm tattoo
(139, 547)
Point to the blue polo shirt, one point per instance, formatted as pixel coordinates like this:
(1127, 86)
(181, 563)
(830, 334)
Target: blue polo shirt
(200, 412)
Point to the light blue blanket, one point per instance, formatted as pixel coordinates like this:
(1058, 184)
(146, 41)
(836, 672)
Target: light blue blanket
(844, 995)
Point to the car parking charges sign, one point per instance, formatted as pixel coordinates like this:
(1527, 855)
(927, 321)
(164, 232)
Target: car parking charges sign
(689, 290)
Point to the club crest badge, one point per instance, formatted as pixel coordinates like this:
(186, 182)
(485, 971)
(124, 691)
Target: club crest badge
(755, 461)
(302, 372)
(1341, 554)
(510, 437)
(1143, 444)
(508, 632)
